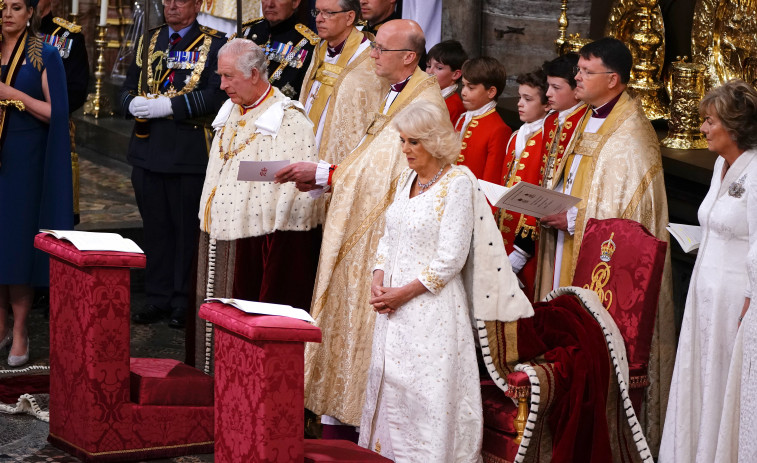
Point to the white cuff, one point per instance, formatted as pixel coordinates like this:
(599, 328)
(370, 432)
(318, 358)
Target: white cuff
(322, 173)
(571, 218)
(518, 259)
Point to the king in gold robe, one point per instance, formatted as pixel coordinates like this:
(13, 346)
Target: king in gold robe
(363, 186)
(619, 174)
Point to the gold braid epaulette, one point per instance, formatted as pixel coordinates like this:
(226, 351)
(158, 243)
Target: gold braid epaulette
(212, 32)
(308, 34)
(67, 25)
(252, 21)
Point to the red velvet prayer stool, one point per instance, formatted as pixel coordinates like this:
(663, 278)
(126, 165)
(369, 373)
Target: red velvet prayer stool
(259, 385)
(91, 414)
(342, 451)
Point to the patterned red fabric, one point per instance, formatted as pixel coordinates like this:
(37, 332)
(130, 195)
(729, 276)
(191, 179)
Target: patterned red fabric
(498, 447)
(68, 252)
(259, 327)
(259, 384)
(324, 450)
(633, 278)
(91, 415)
(169, 382)
(455, 107)
(499, 410)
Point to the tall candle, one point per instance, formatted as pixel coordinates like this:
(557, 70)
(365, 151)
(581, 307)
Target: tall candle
(75, 7)
(103, 12)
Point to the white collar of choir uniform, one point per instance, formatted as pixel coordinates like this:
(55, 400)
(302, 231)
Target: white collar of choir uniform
(524, 133)
(469, 115)
(447, 91)
(562, 115)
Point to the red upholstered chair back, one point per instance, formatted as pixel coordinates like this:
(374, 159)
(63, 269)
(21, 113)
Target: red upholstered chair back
(622, 262)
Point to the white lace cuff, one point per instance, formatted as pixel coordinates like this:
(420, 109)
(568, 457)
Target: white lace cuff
(322, 173)
(571, 217)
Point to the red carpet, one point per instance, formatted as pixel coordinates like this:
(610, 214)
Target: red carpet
(13, 387)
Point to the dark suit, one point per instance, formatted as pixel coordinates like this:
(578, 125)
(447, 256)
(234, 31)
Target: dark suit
(287, 33)
(169, 165)
(70, 43)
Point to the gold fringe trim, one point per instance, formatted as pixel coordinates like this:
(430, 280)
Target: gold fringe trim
(206, 215)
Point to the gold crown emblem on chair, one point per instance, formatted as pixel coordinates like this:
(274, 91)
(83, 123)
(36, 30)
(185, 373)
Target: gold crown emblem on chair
(607, 249)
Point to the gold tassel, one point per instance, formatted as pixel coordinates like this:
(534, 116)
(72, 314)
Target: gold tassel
(206, 220)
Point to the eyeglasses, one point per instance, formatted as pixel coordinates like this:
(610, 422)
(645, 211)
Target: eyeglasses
(379, 49)
(177, 2)
(577, 70)
(326, 14)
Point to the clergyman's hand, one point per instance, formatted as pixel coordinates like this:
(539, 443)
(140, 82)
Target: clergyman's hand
(558, 221)
(300, 172)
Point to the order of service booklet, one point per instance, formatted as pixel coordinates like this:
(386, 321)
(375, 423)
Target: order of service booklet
(264, 308)
(95, 241)
(688, 236)
(527, 198)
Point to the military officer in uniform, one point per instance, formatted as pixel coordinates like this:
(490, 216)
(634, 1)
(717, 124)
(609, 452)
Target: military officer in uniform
(288, 44)
(68, 39)
(377, 12)
(169, 149)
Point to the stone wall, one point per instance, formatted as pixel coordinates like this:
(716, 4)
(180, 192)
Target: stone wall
(519, 33)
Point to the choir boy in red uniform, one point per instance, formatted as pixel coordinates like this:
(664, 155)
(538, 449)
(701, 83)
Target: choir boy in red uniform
(445, 61)
(567, 112)
(525, 162)
(482, 131)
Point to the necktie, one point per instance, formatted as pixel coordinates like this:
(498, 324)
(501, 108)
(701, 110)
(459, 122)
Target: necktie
(175, 38)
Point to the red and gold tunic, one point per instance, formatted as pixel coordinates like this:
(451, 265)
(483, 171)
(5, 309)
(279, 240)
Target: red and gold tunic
(455, 107)
(529, 167)
(484, 146)
(558, 139)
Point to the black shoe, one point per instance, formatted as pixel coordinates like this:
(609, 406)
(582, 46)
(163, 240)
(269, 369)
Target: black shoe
(149, 315)
(177, 319)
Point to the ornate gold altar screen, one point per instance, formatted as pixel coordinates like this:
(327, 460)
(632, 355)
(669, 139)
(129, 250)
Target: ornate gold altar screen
(723, 47)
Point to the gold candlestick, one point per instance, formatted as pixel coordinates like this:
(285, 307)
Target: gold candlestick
(645, 76)
(96, 102)
(562, 22)
(688, 90)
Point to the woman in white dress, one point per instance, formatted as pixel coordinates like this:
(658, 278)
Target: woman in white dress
(719, 293)
(423, 399)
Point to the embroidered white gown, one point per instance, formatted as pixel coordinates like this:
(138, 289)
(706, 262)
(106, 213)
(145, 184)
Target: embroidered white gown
(423, 399)
(716, 295)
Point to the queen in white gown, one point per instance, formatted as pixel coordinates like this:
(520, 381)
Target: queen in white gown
(423, 399)
(720, 290)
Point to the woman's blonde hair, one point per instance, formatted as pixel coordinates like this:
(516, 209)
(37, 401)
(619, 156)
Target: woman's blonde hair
(735, 104)
(427, 123)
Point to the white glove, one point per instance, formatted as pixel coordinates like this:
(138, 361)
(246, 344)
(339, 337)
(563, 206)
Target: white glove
(158, 107)
(138, 107)
(518, 259)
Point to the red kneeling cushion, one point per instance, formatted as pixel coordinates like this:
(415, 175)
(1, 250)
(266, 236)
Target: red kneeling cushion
(169, 382)
(344, 451)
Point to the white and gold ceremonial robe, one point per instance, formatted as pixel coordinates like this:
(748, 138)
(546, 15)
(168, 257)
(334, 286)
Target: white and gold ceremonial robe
(620, 175)
(341, 119)
(362, 188)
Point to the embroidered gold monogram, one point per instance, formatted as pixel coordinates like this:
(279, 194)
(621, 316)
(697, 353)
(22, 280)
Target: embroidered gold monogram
(600, 276)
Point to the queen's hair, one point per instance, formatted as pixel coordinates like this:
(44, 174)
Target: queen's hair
(430, 125)
(248, 55)
(735, 104)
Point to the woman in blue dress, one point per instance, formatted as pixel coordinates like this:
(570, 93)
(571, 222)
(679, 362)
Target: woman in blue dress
(35, 167)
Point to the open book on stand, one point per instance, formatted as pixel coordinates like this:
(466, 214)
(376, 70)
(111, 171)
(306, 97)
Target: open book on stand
(264, 308)
(688, 236)
(527, 198)
(95, 241)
